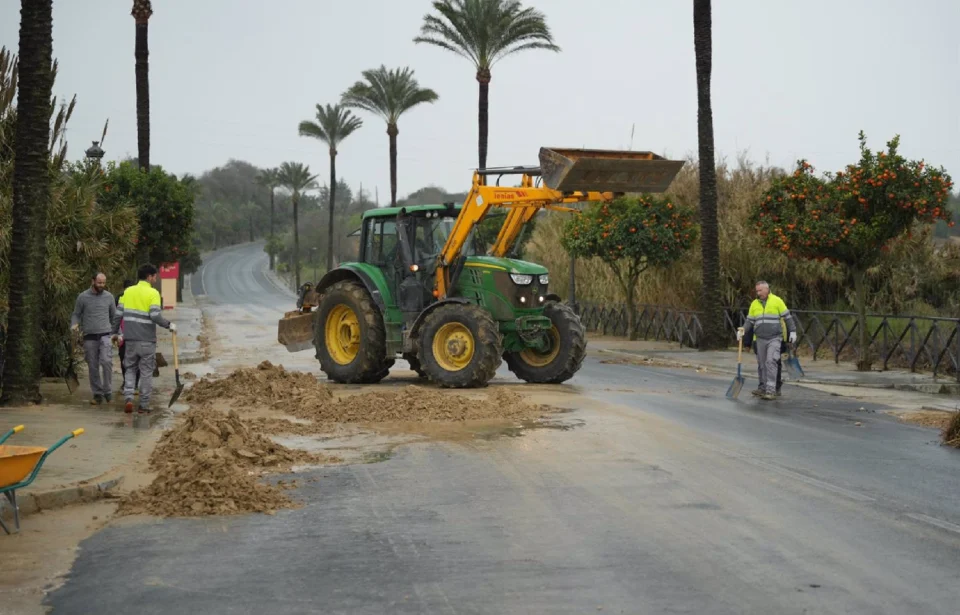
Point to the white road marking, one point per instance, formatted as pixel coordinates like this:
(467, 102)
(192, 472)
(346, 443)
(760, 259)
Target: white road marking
(944, 525)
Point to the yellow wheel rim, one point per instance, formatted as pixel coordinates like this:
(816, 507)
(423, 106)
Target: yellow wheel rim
(535, 358)
(453, 346)
(342, 334)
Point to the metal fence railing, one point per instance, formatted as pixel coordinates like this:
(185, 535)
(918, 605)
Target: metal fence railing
(911, 342)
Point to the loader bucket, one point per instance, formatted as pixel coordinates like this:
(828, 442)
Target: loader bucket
(295, 330)
(585, 170)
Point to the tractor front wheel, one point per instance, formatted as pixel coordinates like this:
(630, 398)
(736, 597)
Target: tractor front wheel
(460, 346)
(564, 353)
(349, 335)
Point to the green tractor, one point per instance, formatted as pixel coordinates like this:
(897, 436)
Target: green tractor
(425, 289)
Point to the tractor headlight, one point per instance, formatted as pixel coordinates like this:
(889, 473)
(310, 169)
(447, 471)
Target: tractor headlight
(544, 279)
(521, 279)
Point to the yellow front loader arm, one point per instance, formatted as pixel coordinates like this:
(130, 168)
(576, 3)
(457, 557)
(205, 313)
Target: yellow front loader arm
(569, 176)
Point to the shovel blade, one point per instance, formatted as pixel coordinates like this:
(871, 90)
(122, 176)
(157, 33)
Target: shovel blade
(793, 366)
(734, 391)
(177, 391)
(73, 383)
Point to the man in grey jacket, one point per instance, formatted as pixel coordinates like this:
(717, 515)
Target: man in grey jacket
(93, 314)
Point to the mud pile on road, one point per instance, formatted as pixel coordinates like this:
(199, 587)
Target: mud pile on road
(211, 464)
(205, 428)
(300, 395)
(266, 384)
(210, 484)
(951, 433)
(419, 404)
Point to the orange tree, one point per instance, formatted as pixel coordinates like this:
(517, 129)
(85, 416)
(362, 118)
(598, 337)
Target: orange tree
(851, 217)
(629, 235)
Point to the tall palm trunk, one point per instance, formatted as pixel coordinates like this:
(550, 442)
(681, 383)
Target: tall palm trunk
(141, 54)
(31, 195)
(271, 228)
(333, 199)
(393, 131)
(711, 304)
(296, 239)
(483, 107)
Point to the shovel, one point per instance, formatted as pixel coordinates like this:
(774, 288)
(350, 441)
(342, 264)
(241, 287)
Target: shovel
(176, 371)
(737, 383)
(71, 376)
(793, 363)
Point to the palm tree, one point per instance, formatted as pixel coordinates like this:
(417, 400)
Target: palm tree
(31, 198)
(142, 10)
(711, 302)
(269, 179)
(296, 178)
(389, 94)
(485, 31)
(334, 124)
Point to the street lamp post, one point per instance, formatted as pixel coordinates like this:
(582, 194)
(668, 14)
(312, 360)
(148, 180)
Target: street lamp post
(95, 152)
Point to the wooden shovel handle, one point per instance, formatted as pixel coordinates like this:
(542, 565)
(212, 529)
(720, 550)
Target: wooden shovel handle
(739, 349)
(176, 359)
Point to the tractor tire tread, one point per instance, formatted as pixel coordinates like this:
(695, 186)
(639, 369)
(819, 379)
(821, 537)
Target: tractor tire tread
(571, 358)
(488, 345)
(371, 365)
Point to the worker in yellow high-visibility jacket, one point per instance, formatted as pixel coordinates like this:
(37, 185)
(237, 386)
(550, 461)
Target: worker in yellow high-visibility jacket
(140, 312)
(766, 318)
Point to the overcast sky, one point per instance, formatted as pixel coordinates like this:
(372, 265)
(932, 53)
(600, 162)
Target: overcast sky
(233, 78)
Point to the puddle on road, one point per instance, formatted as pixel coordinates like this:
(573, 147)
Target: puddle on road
(374, 443)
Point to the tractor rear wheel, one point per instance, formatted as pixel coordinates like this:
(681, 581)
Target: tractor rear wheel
(349, 335)
(564, 354)
(460, 346)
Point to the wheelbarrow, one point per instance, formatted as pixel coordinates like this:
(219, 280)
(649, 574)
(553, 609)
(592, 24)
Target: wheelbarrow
(19, 466)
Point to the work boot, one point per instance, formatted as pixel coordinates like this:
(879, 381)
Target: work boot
(143, 410)
(97, 400)
(108, 397)
(778, 393)
(757, 392)
(768, 396)
(128, 406)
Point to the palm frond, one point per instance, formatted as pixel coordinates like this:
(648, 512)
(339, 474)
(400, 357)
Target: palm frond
(485, 31)
(387, 93)
(296, 177)
(312, 129)
(334, 124)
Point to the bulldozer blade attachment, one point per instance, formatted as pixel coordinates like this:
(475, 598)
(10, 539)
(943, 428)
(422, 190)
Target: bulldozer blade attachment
(586, 170)
(295, 331)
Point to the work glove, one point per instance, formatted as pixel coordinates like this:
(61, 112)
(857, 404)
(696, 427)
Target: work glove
(173, 327)
(118, 340)
(740, 334)
(75, 328)
(792, 338)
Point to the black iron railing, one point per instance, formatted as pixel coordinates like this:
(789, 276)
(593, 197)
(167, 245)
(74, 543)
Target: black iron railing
(911, 342)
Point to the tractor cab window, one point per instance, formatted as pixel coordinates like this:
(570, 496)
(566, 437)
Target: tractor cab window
(431, 235)
(381, 244)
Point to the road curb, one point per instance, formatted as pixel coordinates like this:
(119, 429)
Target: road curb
(946, 389)
(31, 502)
(276, 281)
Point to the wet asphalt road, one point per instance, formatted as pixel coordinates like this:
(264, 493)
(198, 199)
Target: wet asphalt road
(664, 498)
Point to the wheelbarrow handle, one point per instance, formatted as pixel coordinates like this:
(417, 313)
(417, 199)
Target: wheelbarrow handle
(16, 429)
(36, 468)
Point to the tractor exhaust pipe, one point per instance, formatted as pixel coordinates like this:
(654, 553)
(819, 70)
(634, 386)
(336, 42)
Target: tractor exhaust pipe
(586, 170)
